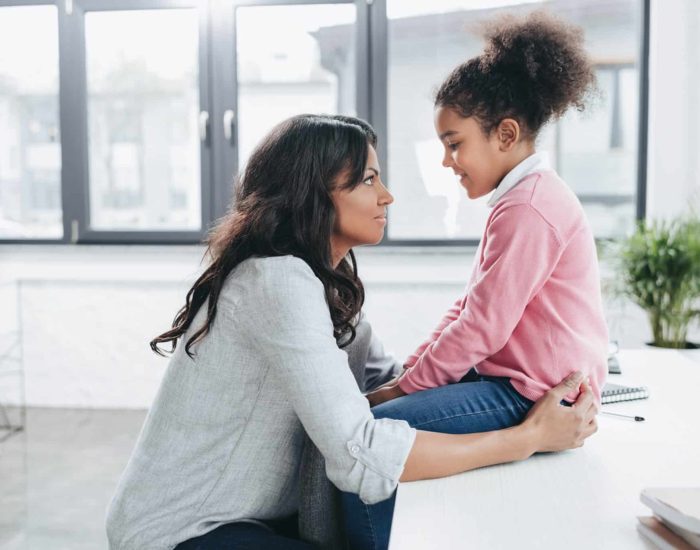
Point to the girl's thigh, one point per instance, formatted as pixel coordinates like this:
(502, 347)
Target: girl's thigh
(466, 407)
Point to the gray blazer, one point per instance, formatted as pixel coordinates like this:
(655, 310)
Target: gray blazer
(224, 438)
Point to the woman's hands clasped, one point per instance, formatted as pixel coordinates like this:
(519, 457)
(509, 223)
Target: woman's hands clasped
(557, 428)
(550, 426)
(386, 392)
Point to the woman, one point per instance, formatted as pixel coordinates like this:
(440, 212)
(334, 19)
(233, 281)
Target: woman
(258, 364)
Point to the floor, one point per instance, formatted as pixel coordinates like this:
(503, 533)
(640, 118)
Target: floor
(57, 476)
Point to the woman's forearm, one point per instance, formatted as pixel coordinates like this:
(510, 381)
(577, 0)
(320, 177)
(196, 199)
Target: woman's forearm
(547, 427)
(438, 455)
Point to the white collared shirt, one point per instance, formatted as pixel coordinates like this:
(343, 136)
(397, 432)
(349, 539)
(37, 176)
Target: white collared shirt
(534, 163)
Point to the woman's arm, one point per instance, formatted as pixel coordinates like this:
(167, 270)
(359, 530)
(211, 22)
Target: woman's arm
(380, 367)
(548, 427)
(286, 318)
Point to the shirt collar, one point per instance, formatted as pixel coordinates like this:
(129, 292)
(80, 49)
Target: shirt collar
(536, 162)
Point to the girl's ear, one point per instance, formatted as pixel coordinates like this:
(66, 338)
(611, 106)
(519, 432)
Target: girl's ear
(507, 134)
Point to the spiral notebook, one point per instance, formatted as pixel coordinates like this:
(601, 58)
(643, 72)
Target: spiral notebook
(612, 393)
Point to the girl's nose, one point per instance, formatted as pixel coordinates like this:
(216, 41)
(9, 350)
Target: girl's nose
(447, 161)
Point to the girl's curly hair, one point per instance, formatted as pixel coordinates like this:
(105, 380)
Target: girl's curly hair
(532, 70)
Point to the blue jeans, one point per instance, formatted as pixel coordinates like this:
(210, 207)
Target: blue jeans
(475, 404)
(281, 535)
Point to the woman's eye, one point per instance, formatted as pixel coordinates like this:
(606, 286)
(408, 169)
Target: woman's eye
(453, 146)
(368, 181)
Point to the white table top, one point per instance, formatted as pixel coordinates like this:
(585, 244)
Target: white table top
(586, 498)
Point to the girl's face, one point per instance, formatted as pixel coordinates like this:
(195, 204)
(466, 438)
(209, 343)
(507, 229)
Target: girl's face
(476, 159)
(360, 213)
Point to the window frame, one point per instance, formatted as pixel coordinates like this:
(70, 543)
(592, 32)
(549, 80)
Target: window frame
(379, 25)
(219, 92)
(225, 80)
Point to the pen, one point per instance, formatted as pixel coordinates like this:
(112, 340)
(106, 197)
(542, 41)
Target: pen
(635, 418)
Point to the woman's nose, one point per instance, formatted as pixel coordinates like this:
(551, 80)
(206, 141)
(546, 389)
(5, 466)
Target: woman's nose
(385, 197)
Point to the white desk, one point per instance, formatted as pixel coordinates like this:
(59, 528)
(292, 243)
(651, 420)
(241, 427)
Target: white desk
(587, 498)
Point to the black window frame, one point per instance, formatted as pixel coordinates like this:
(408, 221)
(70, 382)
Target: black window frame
(218, 94)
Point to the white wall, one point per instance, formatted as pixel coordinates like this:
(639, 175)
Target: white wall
(674, 110)
(87, 314)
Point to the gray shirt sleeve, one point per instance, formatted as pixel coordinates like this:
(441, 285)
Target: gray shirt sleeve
(380, 366)
(294, 333)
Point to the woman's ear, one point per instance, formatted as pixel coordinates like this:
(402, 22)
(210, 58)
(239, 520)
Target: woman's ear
(507, 134)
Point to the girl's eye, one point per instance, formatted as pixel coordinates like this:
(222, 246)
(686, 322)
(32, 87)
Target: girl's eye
(368, 181)
(453, 146)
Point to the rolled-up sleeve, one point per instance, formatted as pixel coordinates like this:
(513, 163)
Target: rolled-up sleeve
(294, 333)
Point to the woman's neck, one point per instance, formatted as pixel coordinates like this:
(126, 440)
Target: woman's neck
(338, 252)
(337, 257)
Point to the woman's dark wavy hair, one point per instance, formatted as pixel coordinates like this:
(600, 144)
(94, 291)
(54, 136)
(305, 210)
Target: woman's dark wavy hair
(532, 70)
(283, 206)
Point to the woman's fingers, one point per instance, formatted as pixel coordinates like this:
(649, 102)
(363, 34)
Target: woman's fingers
(570, 384)
(585, 399)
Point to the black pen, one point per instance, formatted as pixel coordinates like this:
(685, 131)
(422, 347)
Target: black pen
(635, 418)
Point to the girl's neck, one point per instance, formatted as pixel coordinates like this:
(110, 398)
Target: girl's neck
(519, 154)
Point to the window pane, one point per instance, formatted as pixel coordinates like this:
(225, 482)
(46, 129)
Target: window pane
(143, 106)
(595, 152)
(30, 149)
(292, 60)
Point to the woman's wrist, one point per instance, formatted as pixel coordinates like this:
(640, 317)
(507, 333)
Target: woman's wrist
(526, 439)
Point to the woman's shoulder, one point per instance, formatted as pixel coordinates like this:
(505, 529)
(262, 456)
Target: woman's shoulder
(279, 268)
(277, 278)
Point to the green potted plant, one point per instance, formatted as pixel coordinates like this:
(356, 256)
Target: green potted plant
(659, 267)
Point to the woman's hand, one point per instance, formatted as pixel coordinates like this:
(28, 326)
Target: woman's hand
(558, 428)
(386, 392)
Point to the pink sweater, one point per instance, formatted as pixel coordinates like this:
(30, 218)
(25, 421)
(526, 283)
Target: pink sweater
(532, 311)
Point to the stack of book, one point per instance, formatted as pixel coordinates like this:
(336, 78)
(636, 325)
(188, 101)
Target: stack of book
(675, 524)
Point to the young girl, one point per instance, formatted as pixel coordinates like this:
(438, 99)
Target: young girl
(532, 310)
(257, 366)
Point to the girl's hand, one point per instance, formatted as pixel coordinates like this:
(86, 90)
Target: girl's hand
(557, 428)
(385, 393)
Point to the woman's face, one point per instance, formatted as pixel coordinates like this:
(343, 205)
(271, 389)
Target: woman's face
(360, 212)
(475, 158)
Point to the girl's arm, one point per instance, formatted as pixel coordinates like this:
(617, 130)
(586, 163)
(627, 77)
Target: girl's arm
(548, 427)
(448, 318)
(521, 250)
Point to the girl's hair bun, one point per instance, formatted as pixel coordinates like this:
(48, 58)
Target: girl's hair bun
(533, 68)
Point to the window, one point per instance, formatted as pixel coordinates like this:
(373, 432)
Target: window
(143, 105)
(595, 152)
(291, 60)
(30, 145)
(132, 126)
